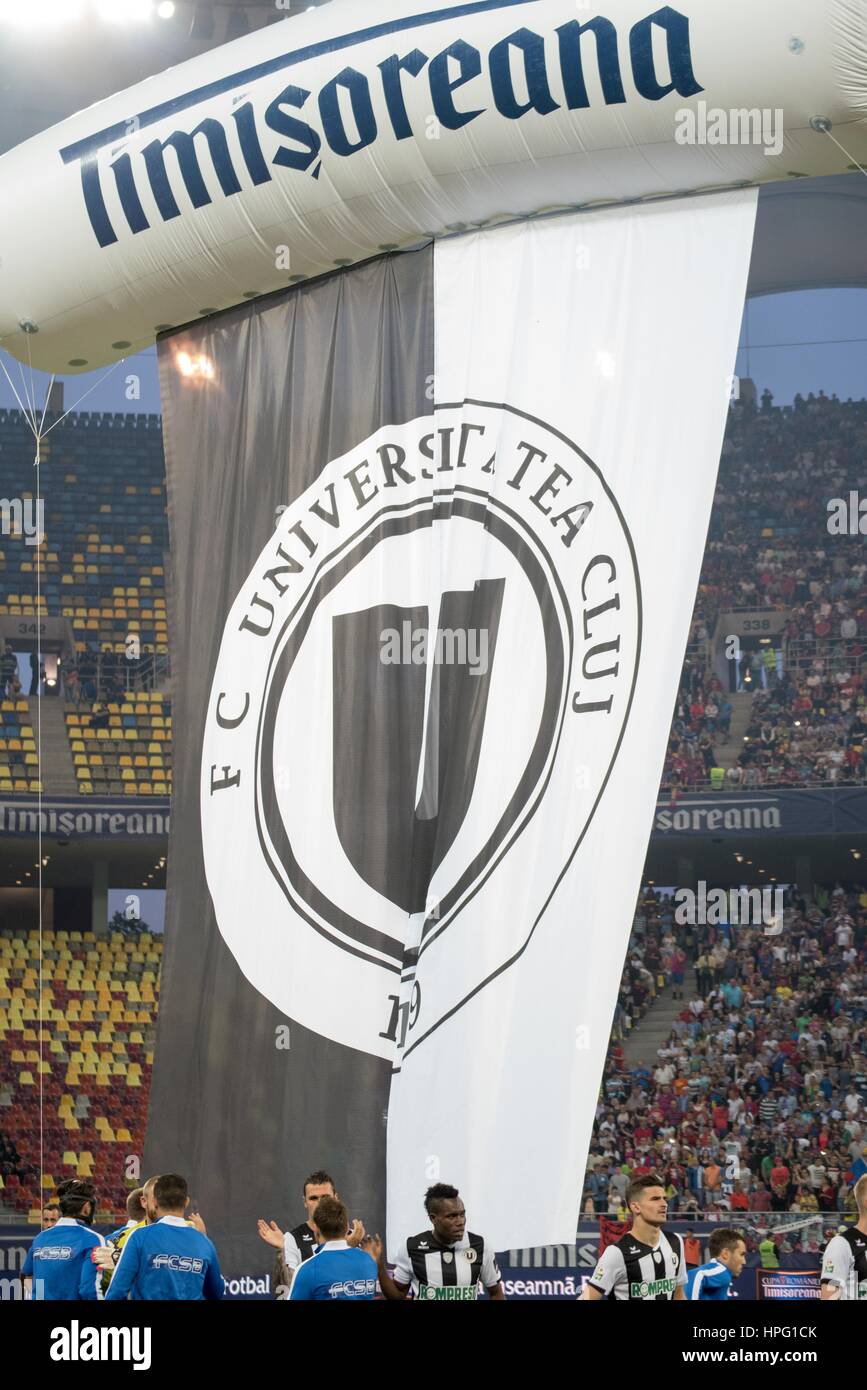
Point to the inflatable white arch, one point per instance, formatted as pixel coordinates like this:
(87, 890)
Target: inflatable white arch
(360, 127)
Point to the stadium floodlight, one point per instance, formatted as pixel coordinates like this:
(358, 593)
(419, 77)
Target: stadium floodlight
(201, 367)
(125, 11)
(166, 9)
(39, 14)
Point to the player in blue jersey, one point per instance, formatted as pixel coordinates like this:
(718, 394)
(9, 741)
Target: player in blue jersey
(168, 1258)
(135, 1214)
(728, 1252)
(58, 1264)
(337, 1270)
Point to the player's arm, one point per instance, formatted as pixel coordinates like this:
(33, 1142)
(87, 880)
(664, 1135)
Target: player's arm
(679, 1294)
(836, 1268)
(90, 1279)
(609, 1272)
(27, 1273)
(356, 1235)
(490, 1276)
(270, 1232)
(399, 1286)
(126, 1270)
(281, 1276)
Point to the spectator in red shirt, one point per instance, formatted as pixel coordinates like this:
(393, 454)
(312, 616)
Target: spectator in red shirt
(780, 1176)
(692, 1249)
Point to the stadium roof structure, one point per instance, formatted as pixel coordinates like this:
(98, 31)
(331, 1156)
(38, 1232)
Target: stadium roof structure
(51, 71)
(810, 234)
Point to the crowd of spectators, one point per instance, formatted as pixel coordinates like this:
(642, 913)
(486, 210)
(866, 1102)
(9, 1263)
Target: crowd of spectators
(107, 676)
(771, 545)
(805, 731)
(757, 1100)
(12, 1164)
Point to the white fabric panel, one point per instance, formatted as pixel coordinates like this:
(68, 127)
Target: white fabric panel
(613, 335)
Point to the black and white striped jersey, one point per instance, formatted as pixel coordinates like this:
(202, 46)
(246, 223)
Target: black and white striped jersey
(631, 1270)
(845, 1263)
(298, 1245)
(446, 1271)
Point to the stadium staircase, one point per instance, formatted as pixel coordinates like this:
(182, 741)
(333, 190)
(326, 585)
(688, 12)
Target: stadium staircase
(728, 753)
(640, 1047)
(58, 772)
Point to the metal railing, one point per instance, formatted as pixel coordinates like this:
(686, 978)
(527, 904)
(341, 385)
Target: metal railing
(106, 681)
(828, 656)
(758, 782)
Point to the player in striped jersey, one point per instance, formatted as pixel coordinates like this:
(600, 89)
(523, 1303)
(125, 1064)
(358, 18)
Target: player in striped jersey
(728, 1253)
(646, 1265)
(446, 1262)
(844, 1265)
(295, 1246)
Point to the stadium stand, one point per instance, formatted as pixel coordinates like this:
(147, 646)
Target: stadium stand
(105, 525)
(786, 1016)
(19, 763)
(769, 547)
(103, 570)
(99, 1000)
(123, 749)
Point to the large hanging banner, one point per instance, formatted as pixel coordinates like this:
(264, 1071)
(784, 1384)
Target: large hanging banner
(257, 1083)
(425, 712)
(582, 381)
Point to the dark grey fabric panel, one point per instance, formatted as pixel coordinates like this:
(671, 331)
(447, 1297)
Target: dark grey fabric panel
(299, 380)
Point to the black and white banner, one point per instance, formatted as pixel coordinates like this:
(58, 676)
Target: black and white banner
(424, 713)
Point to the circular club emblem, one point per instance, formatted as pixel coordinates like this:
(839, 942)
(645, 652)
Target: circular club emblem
(420, 693)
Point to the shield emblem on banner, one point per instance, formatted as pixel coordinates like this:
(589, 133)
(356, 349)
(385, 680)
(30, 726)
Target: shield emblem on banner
(415, 757)
(397, 828)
